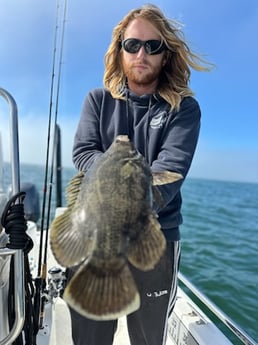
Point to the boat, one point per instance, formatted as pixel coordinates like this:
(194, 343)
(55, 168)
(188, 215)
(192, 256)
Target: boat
(38, 313)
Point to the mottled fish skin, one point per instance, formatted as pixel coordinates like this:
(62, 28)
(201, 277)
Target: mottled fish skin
(110, 222)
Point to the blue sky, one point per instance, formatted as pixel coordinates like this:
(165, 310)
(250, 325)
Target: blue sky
(224, 32)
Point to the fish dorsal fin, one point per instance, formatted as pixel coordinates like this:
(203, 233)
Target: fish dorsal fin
(164, 177)
(73, 188)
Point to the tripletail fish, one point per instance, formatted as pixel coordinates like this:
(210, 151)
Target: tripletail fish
(109, 222)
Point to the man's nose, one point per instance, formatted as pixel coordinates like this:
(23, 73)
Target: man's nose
(141, 52)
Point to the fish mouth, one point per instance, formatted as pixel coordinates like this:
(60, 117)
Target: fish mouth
(122, 138)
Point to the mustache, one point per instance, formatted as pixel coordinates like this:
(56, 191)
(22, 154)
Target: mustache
(141, 62)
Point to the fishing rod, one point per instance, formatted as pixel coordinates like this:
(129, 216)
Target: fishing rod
(55, 136)
(48, 146)
(41, 274)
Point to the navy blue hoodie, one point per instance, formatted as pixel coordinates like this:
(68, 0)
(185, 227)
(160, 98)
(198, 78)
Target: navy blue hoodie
(166, 138)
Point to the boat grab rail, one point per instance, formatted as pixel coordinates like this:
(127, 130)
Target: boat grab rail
(14, 142)
(231, 325)
(18, 296)
(17, 254)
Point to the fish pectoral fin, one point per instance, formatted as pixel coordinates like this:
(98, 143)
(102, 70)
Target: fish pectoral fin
(67, 243)
(145, 251)
(102, 295)
(164, 177)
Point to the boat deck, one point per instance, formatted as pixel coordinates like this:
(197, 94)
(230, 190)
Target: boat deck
(61, 335)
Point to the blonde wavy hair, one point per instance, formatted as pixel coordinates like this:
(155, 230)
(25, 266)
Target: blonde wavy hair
(175, 75)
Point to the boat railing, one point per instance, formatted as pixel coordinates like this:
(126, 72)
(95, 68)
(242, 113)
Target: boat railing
(230, 324)
(17, 254)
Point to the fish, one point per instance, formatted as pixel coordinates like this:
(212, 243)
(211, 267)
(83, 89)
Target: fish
(109, 223)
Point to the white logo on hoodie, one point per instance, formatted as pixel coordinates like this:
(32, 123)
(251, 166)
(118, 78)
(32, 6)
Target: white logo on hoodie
(158, 120)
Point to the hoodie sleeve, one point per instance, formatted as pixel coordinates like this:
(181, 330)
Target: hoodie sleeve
(87, 143)
(177, 147)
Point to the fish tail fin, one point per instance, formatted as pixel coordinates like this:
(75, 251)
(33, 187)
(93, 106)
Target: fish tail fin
(145, 251)
(102, 294)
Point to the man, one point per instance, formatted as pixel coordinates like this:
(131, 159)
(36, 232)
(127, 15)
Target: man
(147, 97)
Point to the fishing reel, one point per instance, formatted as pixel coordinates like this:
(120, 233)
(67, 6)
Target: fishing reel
(56, 282)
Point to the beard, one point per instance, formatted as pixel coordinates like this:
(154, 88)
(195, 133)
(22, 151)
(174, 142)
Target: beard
(144, 77)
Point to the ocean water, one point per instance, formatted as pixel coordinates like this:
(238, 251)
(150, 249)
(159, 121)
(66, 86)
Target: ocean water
(220, 246)
(219, 241)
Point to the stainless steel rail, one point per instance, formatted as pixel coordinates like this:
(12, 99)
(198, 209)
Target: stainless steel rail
(18, 254)
(241, 334)
(18, 297)
(14, 142)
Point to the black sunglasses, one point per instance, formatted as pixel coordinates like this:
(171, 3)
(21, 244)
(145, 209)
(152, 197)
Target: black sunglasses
(151, 47)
